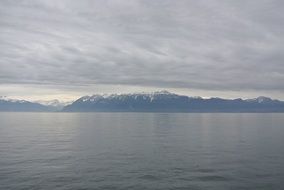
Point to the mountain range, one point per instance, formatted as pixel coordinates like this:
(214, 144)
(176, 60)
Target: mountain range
(12, 105)
(164, 101)
(160, 101)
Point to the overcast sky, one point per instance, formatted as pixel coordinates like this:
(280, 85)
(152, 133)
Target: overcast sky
(68, 48)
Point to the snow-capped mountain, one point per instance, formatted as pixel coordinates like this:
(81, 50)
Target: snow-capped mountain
(54, 104)
(161, 101)
(145, 96)
(7, 104)
(5, 98)
(164, 101)
(262, 100)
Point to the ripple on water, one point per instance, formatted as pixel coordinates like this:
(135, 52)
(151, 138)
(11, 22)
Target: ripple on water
(212, 178)
(149, 177)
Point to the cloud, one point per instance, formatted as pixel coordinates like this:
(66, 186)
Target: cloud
(213, 45)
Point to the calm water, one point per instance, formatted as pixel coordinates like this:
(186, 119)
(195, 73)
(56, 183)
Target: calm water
(141, 151)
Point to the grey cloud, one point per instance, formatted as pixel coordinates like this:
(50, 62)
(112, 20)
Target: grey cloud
(208, 45)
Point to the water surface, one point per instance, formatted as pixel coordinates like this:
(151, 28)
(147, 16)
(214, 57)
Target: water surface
(141, 151)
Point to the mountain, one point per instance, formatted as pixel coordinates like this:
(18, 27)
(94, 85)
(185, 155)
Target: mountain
(21, 106)
(163, 101)
(54, 105)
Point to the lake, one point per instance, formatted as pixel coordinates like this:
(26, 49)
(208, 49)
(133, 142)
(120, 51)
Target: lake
(141, 151)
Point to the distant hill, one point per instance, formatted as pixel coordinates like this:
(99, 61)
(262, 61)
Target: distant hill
(53, 105)
(10, 105)
(163, 101)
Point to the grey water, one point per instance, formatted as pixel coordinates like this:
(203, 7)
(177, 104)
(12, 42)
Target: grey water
(62, 151)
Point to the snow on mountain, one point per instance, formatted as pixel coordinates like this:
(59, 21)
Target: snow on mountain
(159, 101)
(164, 101)
(8, 104)
(144, 95)
(5, 98)
(261, 99)
(54, 103)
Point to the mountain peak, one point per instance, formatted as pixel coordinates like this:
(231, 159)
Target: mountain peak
(162, 92)
(5, 98)
(53, 103)
(260, 99)
(263, 98)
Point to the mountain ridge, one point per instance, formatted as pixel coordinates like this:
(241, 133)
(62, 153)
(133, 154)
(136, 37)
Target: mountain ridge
(164, 101)
(13, 105)
(159, 101)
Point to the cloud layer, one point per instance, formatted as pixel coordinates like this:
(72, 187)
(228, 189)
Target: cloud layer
(216, 45)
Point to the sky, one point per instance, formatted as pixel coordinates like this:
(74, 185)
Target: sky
(65, 49)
